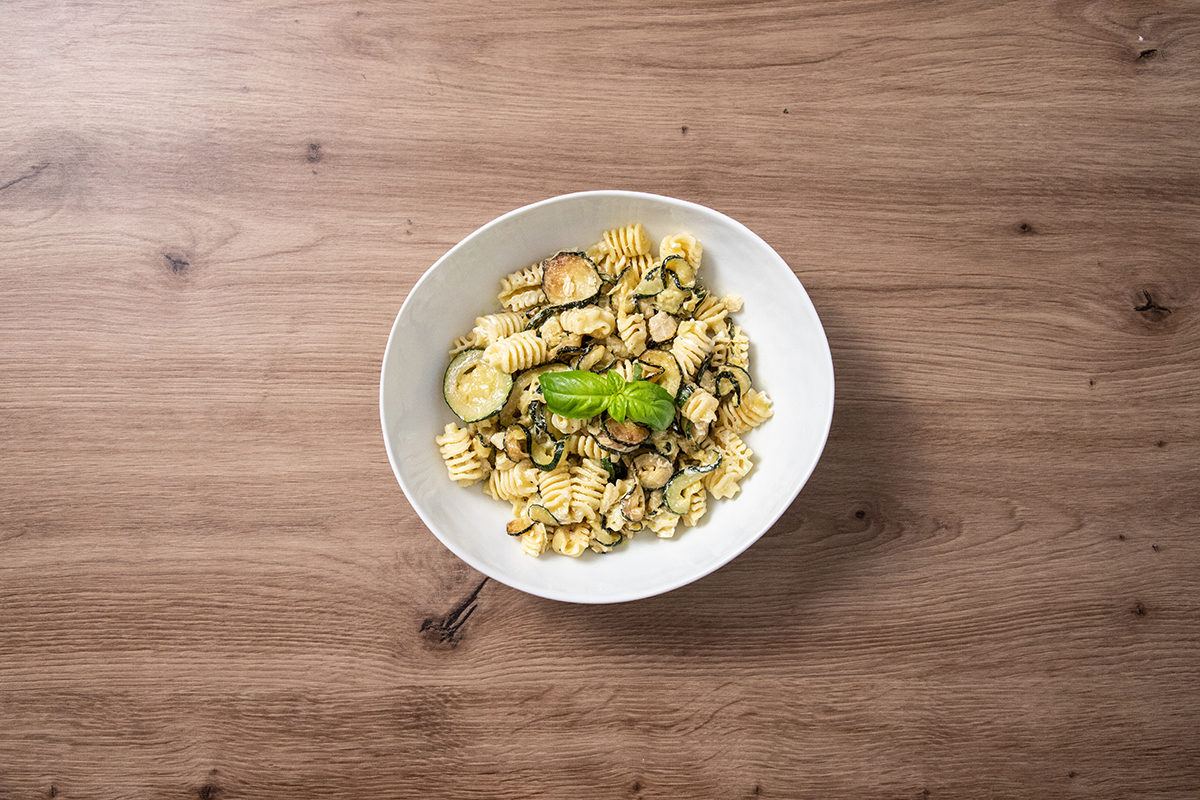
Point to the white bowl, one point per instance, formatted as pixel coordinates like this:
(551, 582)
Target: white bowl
(790, 361)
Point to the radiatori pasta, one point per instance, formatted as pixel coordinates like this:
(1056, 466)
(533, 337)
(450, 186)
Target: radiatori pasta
(584, 484)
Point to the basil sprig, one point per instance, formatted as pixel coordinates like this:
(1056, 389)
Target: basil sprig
(580, 395)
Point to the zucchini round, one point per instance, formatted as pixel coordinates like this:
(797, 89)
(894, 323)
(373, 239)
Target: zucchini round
(681, 270)
(522, 382)
(519, 526)
(650, 285)
(570, 279)
(613, 537)
(674, 494)
(545, 452)
(473, 388)
(627, 433)
(660, 367)
(539, 513)
(734, 380)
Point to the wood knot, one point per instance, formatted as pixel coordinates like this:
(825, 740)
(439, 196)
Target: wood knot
(177, 263)
(1150, 52)
(1025, 227)
(446, 630)
(314, 154)
(1151, 310)
(683, 129)
(1139, 610)
(209, 791)
(860, 514)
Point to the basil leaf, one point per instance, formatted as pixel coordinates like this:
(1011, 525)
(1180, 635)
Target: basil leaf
(649, 404)
(617, 406)
(575, 393)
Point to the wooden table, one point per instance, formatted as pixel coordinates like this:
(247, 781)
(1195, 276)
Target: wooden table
(211, 585)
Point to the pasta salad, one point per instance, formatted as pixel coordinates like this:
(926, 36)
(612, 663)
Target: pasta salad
(608, 397)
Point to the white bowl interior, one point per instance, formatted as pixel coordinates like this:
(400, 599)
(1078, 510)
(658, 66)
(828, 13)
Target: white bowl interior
(790, 360)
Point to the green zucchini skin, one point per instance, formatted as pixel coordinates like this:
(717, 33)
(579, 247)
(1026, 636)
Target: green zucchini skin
(651, 284)
(539, 513)
(570, 279)
(462, 406)
(683, 480)
(547, 464)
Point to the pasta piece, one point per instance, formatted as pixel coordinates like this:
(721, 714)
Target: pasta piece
(468, 342)
(733, 302)
(517, 352)
(697, 505)
(462, 462)
(663, 523)
(525, 300)
(584, 445)
(722, 482)
(681, 245)
(565, 425)
(494, 327)
(587, 488)
(691, 346)
(700, 407)
(555, 488)
(516, 484)
(630, 240)
(589, 321)
(720, 348)
(754, 410)
(535, 541)
(712, 312)
(571, 540)
(632, 330)
(739, 349)
(520, 280)
(641, 264)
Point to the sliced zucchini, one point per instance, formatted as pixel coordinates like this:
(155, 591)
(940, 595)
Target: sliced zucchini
(671, 298)
(652, 470)
(660, 367)
(687, 309)
(674, 496)
(734, 380)
(545, 451)
(633, 504)
(539, 513)
(611, 445)
(683, 273)
(665, 443)
(570, 279)
(628, 279)
(520, 525)
(608, 538)
(628, 433)
(540, 317)
(595, 359)
(537, 417)
(522, 382)
(473, 388)
(516, 442)
(651, 284)
(568, 352)
(685, 392)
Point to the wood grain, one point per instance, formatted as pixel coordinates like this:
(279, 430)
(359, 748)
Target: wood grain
(211, 585)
